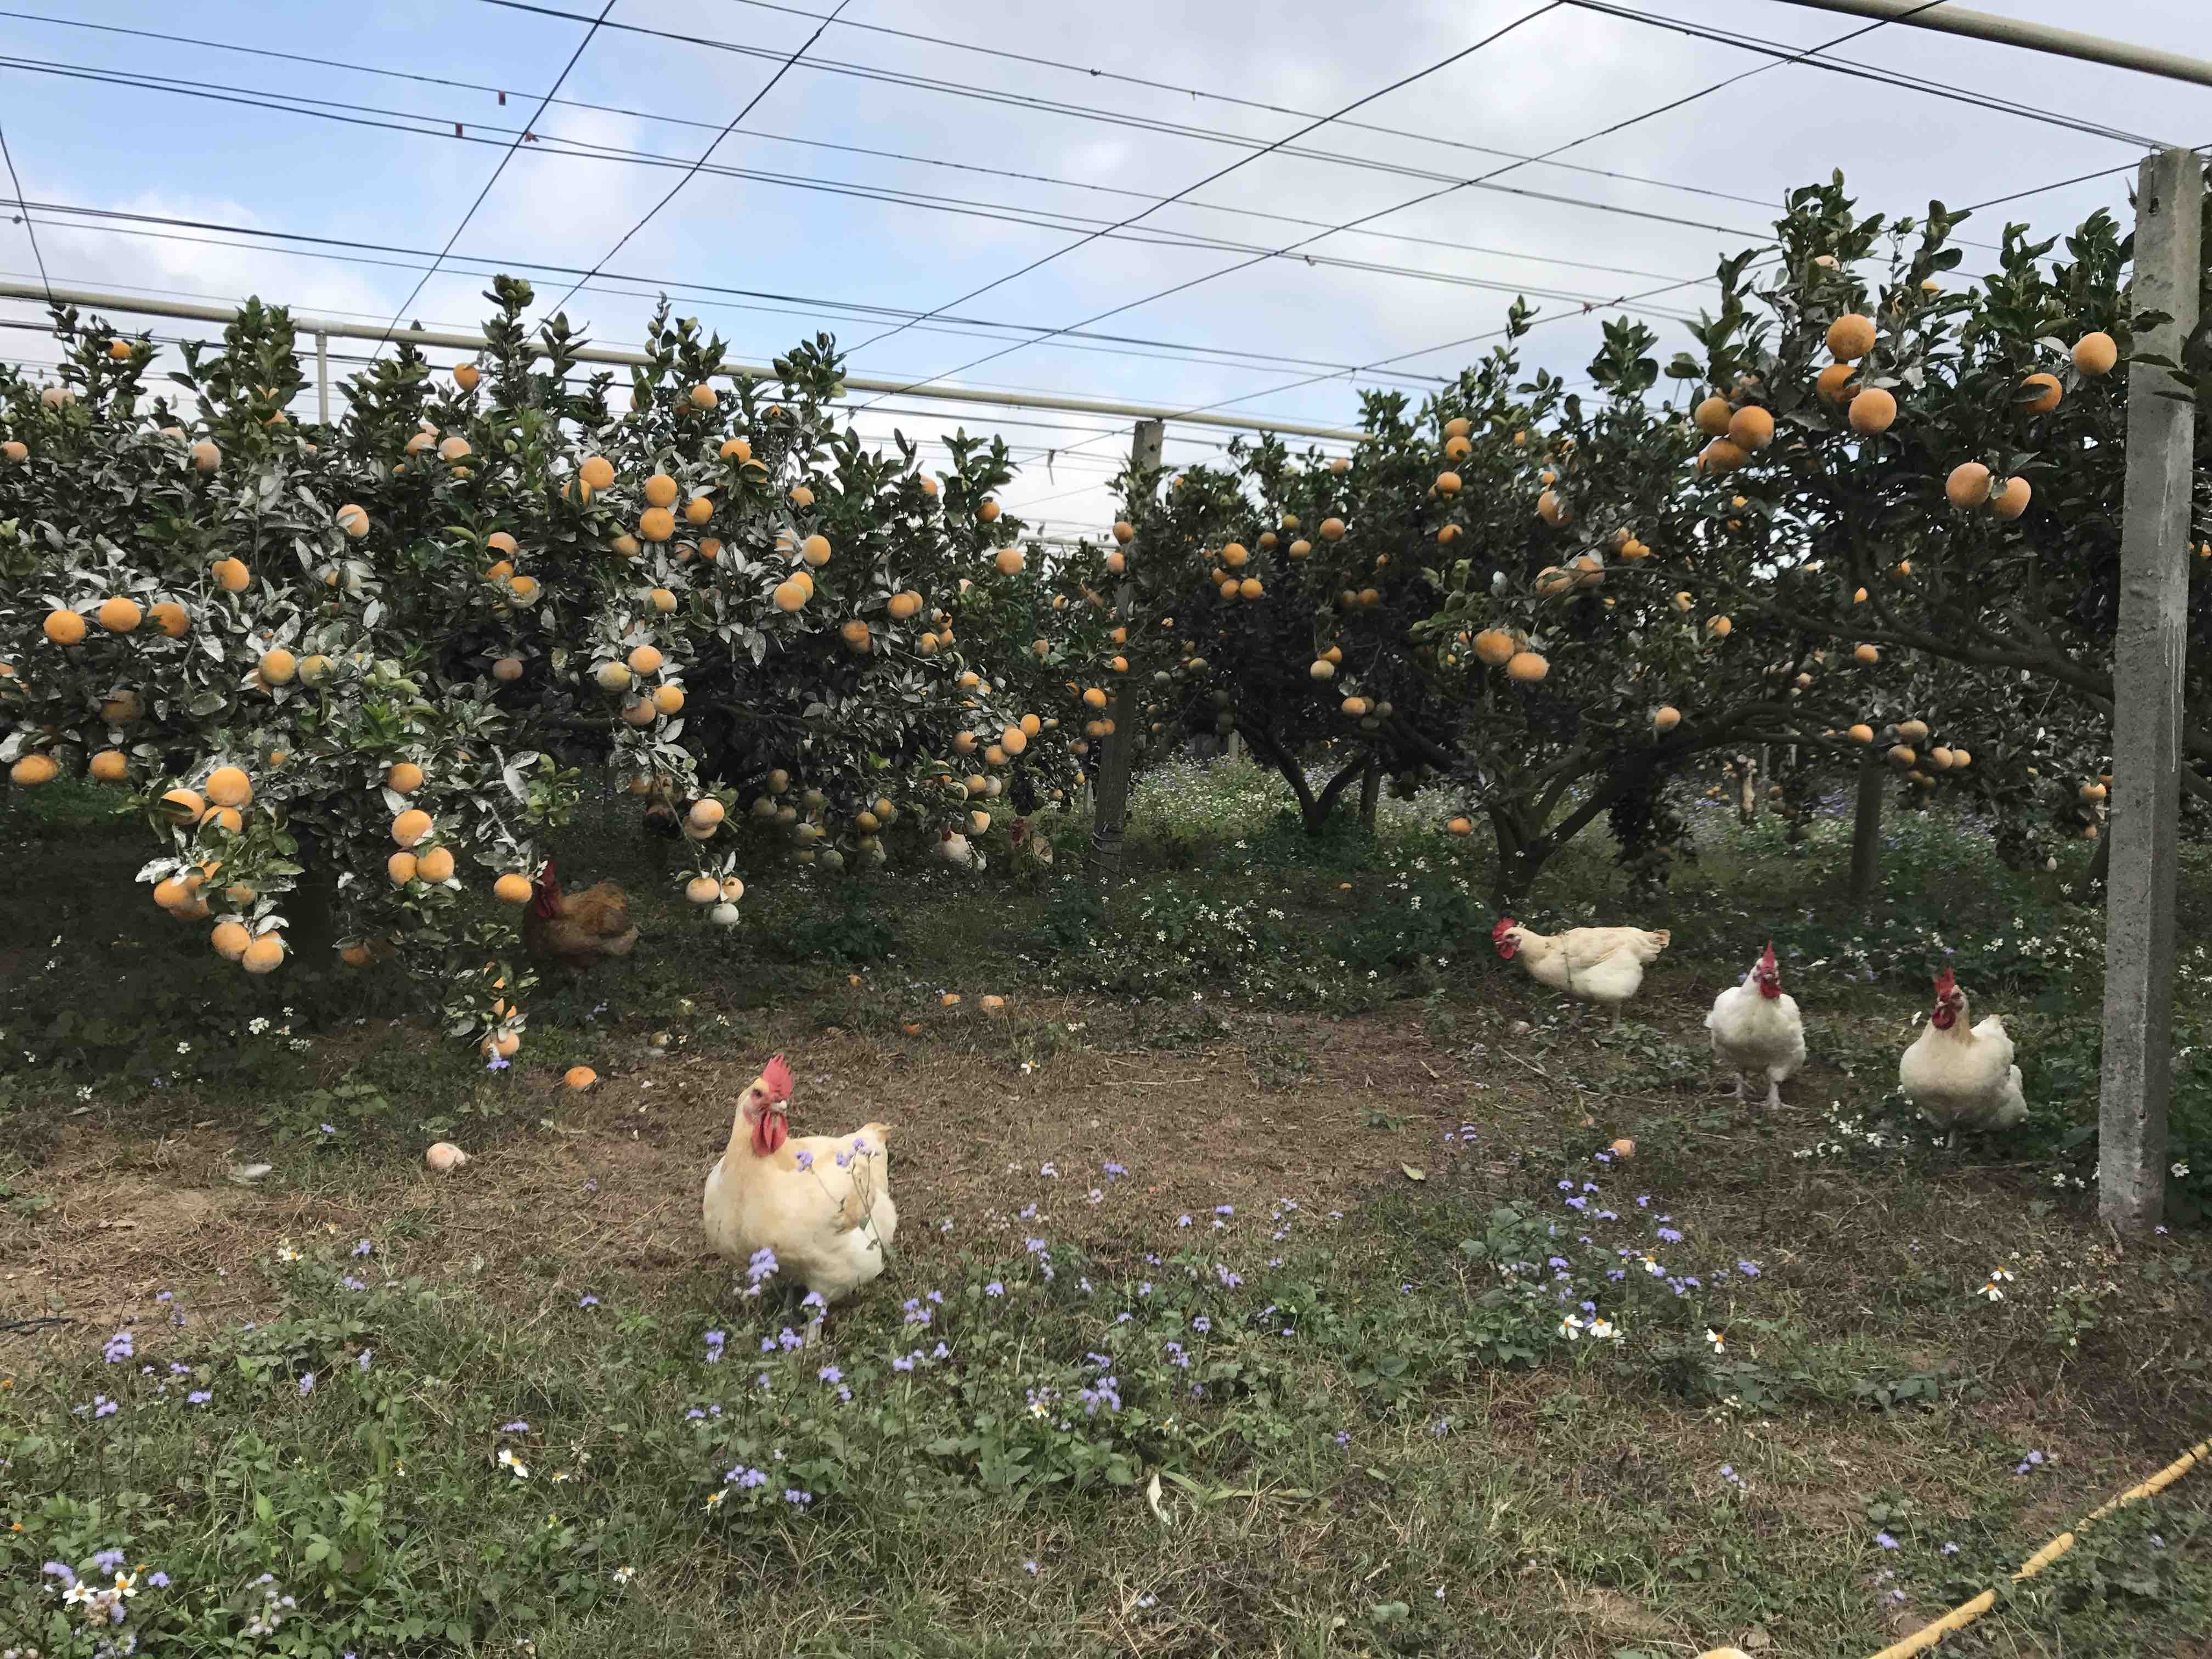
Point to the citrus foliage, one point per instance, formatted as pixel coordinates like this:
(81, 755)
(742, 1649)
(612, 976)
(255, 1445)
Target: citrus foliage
(353, 674)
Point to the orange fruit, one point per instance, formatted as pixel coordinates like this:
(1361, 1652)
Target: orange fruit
(1833, 383)
(710, 548)
(64, 627)
(1458, 427)
(2012, 500)
(1721, 455)
(1456, 448)
(988, 512)
(2095, 353)
(789, 596)
(465, 376)
(353, 520)
(1124, 531)
(1968, 484)
(232, 575)
(205, 456)
(436, 865)
(1666, 717)
(1851, 337)
(120, 615)
(110, 766)
(184, 805)
(668, 699)
(500, 571)
(509, 889)
(1751, 429)
(500, 542)
(226, 785)
(1866, 654)
(401, 867)
(801, 496)
(1234, 556)
(1331, 530)
(508, 669)
(1459, 827)
(1719, 627)
(661, 599)
(699, 509)
(264, 955)
(856, 634)
(1713, 416)
(815, 549)
(903, 605)
(1300, 548)
(581, 1077)
(1861, 733)
(1009, 560)
(1554, 511)
(1095, 698)
(1872, 410)
(656, 524)
(223, 817)
(410, 826)
(1495, 646)
(1249, 587)
(646, 660)
(1527, 666)
(405, 776)
(2047, 391)
(597, 472)
(1322, 669)
(171, 619)
(660, 490)
(702, 396)
(277, 667)
(706, 812)
(230, 939)
(32, 770)
(16, 451)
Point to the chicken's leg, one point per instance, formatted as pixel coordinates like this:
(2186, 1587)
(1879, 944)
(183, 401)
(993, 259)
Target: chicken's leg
(1739, 1090)
(1616, 1017)
(1773, 1094)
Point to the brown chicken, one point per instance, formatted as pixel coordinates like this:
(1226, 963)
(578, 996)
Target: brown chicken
(577, 930)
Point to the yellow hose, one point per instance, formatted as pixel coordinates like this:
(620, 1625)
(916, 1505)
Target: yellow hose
(1964, 1614)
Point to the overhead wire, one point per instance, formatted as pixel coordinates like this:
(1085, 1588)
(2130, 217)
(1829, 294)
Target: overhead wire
(705, 155)
(131, 223)
(29, 230)
(1215, 177)
(555, 145)
(1816, 60)
(1617, 126)
(1431, 139)
(590, 34)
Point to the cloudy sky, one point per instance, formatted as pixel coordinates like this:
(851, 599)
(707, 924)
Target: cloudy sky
(1070, 201)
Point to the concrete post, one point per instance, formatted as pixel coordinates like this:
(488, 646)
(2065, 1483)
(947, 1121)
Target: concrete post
(2149, 651)
(1110, 809)
(323, 379)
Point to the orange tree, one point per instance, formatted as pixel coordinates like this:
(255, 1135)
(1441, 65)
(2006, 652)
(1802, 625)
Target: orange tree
(1447, 604)
(351, 675)
(1946, 478)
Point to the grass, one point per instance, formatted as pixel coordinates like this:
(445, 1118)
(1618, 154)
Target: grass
(1394, 1446)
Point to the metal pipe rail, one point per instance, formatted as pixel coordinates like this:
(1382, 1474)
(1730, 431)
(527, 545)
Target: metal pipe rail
(330, 328)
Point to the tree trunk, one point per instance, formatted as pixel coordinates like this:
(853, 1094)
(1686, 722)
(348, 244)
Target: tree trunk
(1371, 792)
(1866, 831)
(311, 909)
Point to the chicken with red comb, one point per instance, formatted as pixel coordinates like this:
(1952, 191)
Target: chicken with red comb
(1962, 1077)
(1756, 1028)
(820, 1206)
(1598, 964)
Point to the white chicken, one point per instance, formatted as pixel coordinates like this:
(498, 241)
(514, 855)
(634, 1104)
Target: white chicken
(954, 848)
(1756, 1028)
(1598, 964)
(1962, 1079)
(822, 1203)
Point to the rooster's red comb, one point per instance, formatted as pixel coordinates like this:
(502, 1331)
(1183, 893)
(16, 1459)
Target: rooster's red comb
(1945, 984)
(777, 1075)
(1767, 964)
(1498, 932)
